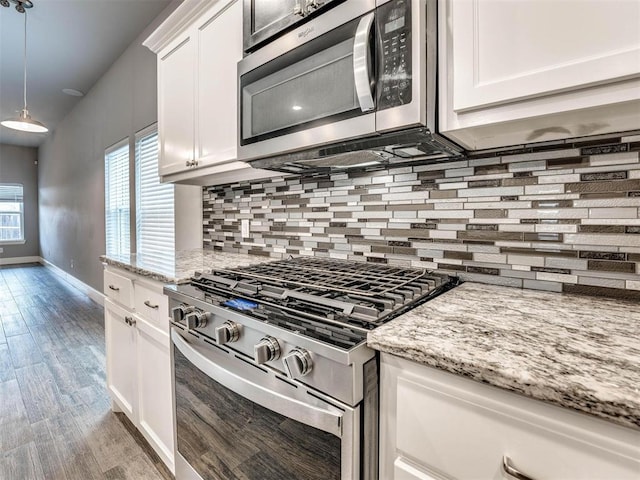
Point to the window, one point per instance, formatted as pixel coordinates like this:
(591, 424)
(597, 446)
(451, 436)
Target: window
(117, 210)
(11, 213)
(155, 237)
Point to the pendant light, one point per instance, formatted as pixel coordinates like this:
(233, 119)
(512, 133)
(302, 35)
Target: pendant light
(24, 122)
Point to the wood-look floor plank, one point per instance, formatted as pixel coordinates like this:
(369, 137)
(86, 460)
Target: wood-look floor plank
(137, 468)
(13, 324)
(52, 463)
(23, 350)
(21, 463)
(41, 395)
(73, 449)
(6, 367)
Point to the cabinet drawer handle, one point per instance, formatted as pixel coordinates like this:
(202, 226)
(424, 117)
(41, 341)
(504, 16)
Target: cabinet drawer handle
(148, 304)
(513, 472)
(115, 289)
(129, 321)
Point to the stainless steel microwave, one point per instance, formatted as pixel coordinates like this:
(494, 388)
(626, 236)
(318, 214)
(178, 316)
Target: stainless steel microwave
(355, 86)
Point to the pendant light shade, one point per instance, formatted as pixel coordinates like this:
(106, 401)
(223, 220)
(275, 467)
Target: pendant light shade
(23, 121)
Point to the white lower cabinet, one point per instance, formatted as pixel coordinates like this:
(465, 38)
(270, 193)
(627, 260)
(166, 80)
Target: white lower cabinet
(435, 425)
(138, 360)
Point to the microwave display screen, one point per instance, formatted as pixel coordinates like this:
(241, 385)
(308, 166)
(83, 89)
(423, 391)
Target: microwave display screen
(394, 25)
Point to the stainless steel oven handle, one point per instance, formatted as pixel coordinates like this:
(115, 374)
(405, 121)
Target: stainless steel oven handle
(320, 418)
(361, 63)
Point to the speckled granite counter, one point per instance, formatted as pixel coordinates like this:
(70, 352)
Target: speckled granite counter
(181, 267)
(574, 351)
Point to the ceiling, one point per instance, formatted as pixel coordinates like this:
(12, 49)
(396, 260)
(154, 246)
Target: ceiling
(71, 44)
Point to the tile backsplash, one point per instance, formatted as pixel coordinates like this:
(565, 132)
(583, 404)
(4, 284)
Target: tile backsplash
(563, 219)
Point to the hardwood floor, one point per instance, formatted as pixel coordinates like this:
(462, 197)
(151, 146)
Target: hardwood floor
(55, 417)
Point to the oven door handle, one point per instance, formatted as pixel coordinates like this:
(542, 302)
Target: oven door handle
(326, 419)
(361, 62)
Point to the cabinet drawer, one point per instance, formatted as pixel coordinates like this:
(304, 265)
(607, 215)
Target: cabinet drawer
(464, 435)
(119, 288)
(152, 305)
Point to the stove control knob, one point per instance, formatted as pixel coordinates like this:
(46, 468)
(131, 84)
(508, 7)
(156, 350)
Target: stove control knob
(266, 349)
(179, 313)
(298, 363)
(196, 319)
(227, 332)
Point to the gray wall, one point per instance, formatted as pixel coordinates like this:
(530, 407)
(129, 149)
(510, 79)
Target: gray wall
(71, 170)
(19, 165)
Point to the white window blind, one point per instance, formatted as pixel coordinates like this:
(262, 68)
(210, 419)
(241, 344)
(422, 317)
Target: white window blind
(155, 232)
(117, 204)
(11, 213)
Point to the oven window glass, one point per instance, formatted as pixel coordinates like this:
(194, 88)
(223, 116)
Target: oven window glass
(225, 436)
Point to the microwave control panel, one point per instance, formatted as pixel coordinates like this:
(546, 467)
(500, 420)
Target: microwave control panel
(393, 23)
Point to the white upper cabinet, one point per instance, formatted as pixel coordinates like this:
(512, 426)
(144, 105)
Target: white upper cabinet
(198, 48)
(516, 72)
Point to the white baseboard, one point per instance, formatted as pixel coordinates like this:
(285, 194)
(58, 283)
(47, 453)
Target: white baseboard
(91, 292)
(18, 260)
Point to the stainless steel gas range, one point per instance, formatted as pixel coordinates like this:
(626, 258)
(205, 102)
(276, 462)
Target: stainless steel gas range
(271, 373)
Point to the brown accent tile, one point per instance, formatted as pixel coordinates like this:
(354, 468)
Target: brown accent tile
(377, 249)
(634, 146)
(459, 255)
(404, 250)
(624, 267)
(443, 194)
(377, 260)
(426, 259)
(586, 196)
(552, 204)
(431, 175)
(337, 224)
(410, 207)
(522, 174)
(492, 169)
(603, 176)
(540, 251)
(483, 270)
(514, 182)
(509, 198)
(633, 295)
(489, 235)
(603, 255)
(612, 186)
(563, 271)
(601, 228)
(343, 231)
(633, 194)
(634, 229)
(342, 214)
(490, 213)
(529, 221)
(493, 227)
(571, 162)
(633, 257)
(425, 226)
(485, 183)
(405, 233)
(543, 237)
(324, 244)
(376, 197)
(260, 252)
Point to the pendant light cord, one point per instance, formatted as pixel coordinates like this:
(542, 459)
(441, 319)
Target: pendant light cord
(25, 60)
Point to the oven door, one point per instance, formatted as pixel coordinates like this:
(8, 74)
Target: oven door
(237, 420)
(311, 86)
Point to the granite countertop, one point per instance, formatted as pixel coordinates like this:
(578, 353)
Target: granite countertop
(181, 267)
(573, 351)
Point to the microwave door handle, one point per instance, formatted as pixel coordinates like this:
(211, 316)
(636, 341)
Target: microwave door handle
(361, 62)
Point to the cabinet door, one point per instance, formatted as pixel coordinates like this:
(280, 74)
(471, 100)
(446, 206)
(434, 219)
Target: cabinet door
(155, 405)
(176, 94)
(121, 357)
(505, 51)
(219, 50)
